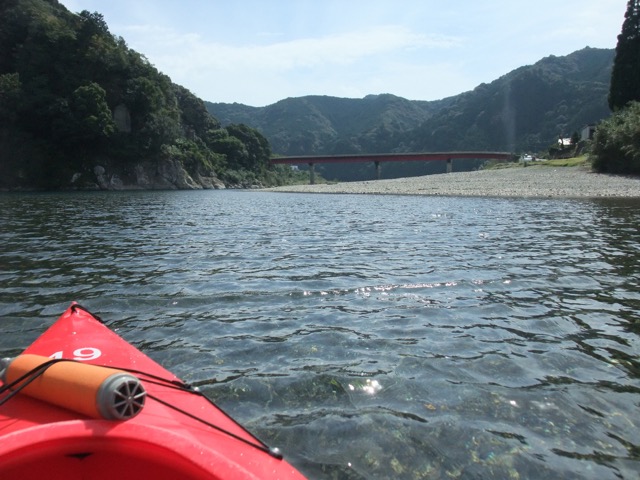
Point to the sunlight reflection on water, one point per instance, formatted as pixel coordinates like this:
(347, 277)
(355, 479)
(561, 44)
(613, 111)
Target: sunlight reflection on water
(367, 337)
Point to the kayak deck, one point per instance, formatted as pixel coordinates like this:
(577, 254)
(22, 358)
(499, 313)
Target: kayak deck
(178, 434)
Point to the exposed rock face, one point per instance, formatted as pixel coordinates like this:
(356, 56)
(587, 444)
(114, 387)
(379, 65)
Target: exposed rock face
(122, 118)
(170, 174)
(165, 174)
(101, 177)
(211, 182)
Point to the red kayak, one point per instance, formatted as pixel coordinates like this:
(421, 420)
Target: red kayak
(82, 403)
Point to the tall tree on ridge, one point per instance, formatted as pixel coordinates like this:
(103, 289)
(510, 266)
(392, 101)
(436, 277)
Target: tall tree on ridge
(625, 76)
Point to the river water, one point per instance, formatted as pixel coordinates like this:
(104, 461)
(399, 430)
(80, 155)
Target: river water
(365, 336)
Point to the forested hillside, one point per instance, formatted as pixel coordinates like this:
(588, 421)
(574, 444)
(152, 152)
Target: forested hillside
(324, 125)
(79, 109)
(526, 110)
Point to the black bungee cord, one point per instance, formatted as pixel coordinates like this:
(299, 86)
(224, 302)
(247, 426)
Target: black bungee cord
(23, 381)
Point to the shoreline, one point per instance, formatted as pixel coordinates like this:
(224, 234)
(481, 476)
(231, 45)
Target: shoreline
(532, 181)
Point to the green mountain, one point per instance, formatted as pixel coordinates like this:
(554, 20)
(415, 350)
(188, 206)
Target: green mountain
(324, 125)
(79, 109)
(526, 110)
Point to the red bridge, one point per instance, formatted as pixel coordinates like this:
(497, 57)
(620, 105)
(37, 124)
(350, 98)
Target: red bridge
(311, 160)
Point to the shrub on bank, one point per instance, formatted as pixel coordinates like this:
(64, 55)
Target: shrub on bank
(616, 144)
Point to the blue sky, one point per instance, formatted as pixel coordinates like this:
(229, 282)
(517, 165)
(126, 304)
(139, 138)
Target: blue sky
(257, 52)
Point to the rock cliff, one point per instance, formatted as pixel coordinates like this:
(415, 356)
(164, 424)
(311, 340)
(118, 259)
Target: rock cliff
(165, 174)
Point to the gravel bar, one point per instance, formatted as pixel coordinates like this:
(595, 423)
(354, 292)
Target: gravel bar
(533, 181)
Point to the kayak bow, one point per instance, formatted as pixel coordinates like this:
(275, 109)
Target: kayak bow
(81, 402)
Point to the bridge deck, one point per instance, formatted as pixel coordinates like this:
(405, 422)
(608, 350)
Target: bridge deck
(388, 157)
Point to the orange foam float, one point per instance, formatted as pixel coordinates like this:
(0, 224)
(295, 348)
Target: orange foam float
(92, 390)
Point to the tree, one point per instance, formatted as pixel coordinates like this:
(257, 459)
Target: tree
(10, 91)
(616, 145)
(143, 97)
(82, 120)
(256, 151)
(625, 76)
(234, 151)
(92, 24)
(91, 112)
(193, 114)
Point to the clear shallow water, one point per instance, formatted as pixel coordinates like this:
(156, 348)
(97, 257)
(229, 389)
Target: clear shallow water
(366, 336)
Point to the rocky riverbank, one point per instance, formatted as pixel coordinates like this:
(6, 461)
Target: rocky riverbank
(533, 181)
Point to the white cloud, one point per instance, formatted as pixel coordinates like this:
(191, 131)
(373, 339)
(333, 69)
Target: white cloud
(254, 53)
(170, 47)
(202, 66)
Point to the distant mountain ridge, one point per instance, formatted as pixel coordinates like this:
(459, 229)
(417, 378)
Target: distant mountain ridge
(524, 110)
(318, 124)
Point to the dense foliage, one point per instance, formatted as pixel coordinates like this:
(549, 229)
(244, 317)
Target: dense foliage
(523, 111)
(73, 96)
(625, 77)
(616, 145)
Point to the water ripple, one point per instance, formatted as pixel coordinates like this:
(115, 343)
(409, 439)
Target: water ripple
(367, 337)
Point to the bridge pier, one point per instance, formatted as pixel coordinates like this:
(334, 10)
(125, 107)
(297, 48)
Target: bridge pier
(312, 174)
(449, 165)
(378, 169)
